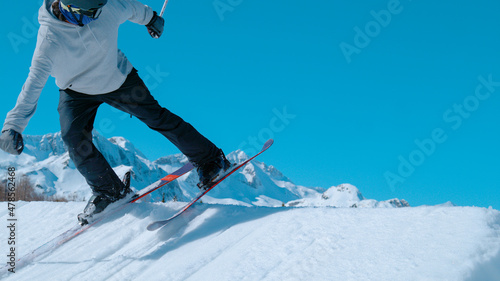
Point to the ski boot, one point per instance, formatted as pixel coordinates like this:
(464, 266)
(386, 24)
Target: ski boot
(98, 202)
(211, 171)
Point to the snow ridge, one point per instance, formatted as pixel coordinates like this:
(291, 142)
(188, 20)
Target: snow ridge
(228, 242)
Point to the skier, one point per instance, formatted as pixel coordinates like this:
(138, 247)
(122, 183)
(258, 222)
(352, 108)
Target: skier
(77, 44)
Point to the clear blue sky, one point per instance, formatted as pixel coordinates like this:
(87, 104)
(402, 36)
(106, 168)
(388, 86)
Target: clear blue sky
(343, 106)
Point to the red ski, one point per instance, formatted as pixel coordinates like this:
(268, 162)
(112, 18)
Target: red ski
(158, 224)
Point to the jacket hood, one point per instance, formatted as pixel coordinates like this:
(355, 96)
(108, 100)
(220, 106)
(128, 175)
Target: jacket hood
(45, 16)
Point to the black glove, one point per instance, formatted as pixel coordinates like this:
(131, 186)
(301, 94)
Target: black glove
(155, 26)
(11, 142)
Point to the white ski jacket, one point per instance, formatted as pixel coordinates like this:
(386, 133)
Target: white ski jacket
(84, 59)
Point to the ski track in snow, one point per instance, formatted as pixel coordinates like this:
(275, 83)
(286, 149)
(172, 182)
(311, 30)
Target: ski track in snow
(222, 242)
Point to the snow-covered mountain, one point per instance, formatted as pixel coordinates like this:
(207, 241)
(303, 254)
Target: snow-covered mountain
(347, 196)
(46, 162)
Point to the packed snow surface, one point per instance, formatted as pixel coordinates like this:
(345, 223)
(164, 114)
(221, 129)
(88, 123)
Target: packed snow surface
(256, 225)
(228, 242)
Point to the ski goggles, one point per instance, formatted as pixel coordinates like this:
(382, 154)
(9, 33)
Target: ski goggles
(80, 16)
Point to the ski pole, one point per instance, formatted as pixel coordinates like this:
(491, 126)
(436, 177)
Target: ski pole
(163, 8)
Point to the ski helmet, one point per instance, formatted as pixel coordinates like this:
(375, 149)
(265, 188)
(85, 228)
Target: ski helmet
(85, 4)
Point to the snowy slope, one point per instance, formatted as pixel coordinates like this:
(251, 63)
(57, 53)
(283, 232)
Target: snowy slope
(221, 242)
(258, 225)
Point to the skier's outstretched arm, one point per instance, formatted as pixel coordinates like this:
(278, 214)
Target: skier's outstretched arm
(18, 118)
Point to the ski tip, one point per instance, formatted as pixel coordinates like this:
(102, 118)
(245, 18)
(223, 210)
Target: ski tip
(268, 143)
(153, 226)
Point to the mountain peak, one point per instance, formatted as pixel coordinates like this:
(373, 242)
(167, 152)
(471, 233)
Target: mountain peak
(343, 192)
(237, 156)
(120, 141)
(42, 147)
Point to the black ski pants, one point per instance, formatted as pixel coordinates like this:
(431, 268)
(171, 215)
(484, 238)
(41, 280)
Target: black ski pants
(77, 112)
